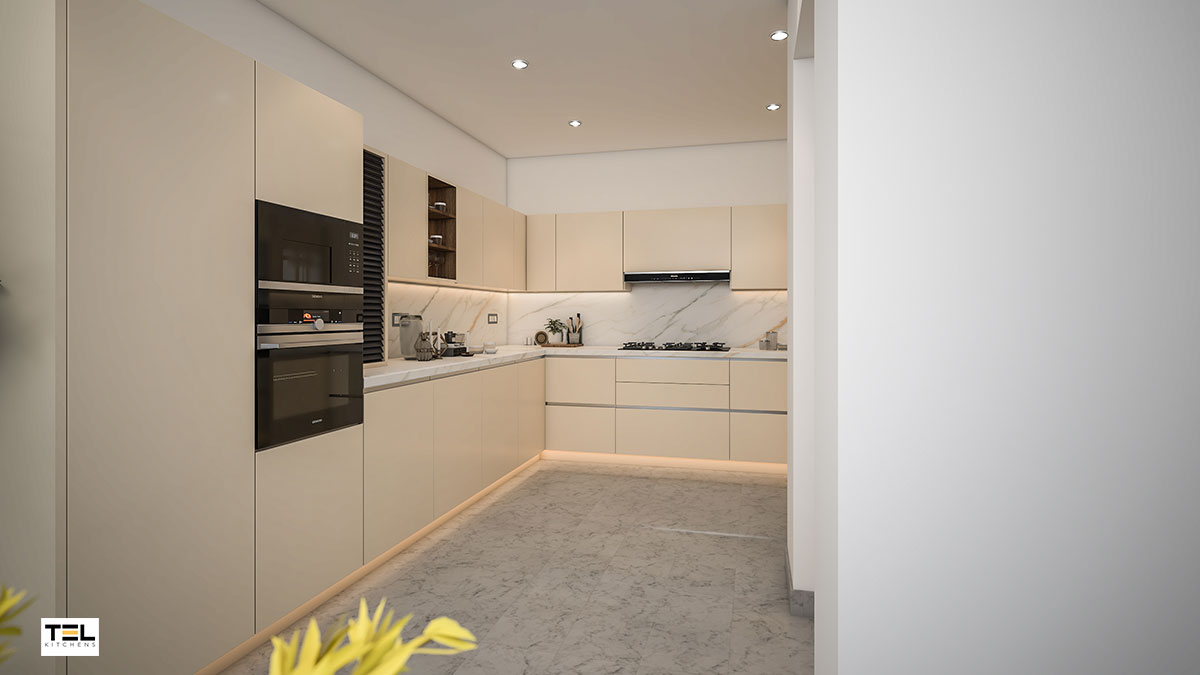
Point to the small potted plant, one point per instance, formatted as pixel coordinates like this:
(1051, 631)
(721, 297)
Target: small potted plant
(556, 327)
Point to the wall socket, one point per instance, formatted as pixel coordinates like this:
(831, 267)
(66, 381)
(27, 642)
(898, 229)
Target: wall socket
(493, 318)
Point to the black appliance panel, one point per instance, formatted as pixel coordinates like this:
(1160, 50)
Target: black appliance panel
(303, 247)
(303, 391)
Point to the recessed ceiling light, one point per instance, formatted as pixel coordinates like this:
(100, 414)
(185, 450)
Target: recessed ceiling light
(779, 35)
(574, 123)
(520, 64)
(772, 107)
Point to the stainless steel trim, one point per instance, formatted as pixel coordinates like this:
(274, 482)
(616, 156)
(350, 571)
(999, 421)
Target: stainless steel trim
(683, 272)
(657, 354)
(304, 329)
(310, 340)
(308, 288)
(663, 407)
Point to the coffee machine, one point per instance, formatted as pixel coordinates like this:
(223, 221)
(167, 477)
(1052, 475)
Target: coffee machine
(456, 344)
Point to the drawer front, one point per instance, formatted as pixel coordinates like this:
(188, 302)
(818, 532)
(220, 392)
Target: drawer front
(758, 385)
(673, 433)
(579, 428)
(673, 371)
(714, 396)
(755, 437)
(576, 380)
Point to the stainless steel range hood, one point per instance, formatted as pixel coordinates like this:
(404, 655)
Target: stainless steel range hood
(676, 277)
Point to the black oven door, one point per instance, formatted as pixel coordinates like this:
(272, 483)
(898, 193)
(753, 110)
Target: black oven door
(306, 385)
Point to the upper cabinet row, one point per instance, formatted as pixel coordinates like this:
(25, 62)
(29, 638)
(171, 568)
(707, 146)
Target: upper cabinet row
(592, 251)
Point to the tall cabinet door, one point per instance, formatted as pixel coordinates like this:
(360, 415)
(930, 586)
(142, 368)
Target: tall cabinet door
(500, 410)
(497, 245)
(160, 203)
(540, 260)
(308, 148)
(407, 217)
(588, 247)
(397, 465)
(469, 236)
(519, 262)
(759, 247)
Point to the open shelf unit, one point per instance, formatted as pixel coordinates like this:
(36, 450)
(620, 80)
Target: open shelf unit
(442, 240)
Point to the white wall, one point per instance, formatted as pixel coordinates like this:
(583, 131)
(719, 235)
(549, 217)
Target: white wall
(392, 122)
(31, 333)
(1018, 310)
(667, 178)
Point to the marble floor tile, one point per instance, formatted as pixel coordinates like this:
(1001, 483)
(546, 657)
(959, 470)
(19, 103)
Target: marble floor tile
(574, 568)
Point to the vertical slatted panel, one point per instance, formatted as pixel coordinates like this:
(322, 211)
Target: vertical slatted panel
(373, 275)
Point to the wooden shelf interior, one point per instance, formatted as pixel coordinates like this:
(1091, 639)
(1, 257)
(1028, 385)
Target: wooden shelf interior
(442, 230)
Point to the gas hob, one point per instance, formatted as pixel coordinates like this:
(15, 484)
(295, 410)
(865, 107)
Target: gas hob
(676, 346)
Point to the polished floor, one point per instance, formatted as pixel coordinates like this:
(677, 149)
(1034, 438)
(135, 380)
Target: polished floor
(580, 568)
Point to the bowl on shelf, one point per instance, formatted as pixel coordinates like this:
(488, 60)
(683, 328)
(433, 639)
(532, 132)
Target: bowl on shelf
(440, 206)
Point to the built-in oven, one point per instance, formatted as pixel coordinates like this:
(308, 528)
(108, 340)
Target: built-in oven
(309, 325)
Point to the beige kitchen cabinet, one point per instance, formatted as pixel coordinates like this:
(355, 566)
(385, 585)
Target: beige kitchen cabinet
(457, 440)
(759, 254)
(673, 433)
(580, 380)
(715, 396)
(407, 217)
(501, 410)
(758, 437)
(673, 370)
(588, 252)
(580, 428)
(308, 520)
(541, 260)
(758, 385)
(397, 465)
(520, 264)
(160, 215)
(308, 148)
(469, 236)
(677, 239)
(531, 415)
(497, 245)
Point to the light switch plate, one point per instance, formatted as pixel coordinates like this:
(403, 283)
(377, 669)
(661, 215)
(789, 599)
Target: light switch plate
(395, 318)
(493, 318)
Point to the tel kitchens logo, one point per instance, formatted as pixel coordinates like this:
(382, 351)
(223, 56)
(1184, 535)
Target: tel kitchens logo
(70, 637)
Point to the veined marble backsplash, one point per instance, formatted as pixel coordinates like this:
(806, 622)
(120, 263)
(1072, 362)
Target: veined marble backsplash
(656, 312)
(444, 308)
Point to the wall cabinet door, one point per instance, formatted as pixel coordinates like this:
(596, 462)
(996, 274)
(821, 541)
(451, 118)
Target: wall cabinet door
(758, 437)
(519, 256)
(308, 520)
(497, 245)
(308, 148)
(501, 408)
(160, 204)
(580, 380)
(531, 418)
(759, 247)
(469, 237)
(457, 440)
(540, 253)
(588, 252)
(407, 217)
(758, 385)
(677, 239)
(579, 428)
(673, 433)
(397, 465)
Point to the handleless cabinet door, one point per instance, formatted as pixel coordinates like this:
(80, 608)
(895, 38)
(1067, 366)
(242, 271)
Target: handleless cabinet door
(520, 264)
(407, 216)
(588, 252)
(677, 239)
(758, 437)
(758, 385)
(673, 433)
(308, 520)
(580, 380)
(469, 237)
(397, 465)
(308, 148)
(457, 440)
(501, 409)
(540, 253)
(759, 247)
(497, 245)
(580, 429)
(531, 388)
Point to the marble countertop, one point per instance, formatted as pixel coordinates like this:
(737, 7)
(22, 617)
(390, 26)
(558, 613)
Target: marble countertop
(399, 371)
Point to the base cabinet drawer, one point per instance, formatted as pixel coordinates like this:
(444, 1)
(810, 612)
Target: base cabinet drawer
(758, 385)
(397, 465)
(308, 520)
(673, 433)
(673, 371)
(715, 396)
(579, 428)
(755, 437)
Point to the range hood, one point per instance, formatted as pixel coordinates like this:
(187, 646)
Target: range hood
(680, 276)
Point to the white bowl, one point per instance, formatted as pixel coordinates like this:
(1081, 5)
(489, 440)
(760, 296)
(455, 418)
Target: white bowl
(489, 348)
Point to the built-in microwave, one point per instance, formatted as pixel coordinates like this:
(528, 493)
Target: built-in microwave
(296, 246)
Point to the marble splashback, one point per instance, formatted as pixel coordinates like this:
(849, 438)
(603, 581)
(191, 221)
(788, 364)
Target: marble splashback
(444, 308)
(659, 312)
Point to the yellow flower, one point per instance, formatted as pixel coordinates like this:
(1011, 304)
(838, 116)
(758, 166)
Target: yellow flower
(10, 607)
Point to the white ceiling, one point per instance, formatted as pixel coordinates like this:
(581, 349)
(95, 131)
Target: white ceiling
(638, 73)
